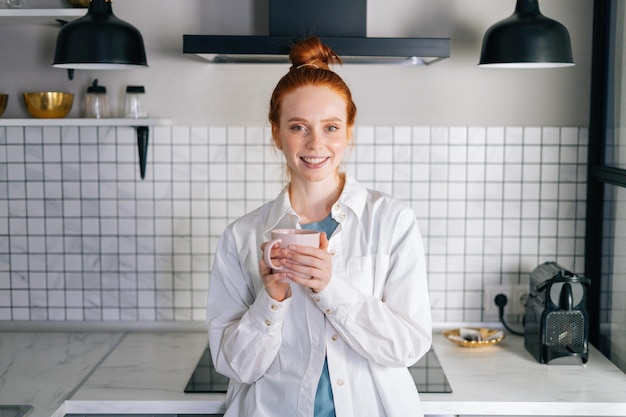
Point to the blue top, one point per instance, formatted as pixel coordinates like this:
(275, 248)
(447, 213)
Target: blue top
(324, 405)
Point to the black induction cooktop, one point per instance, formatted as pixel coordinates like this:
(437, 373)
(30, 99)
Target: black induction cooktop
(427, 374)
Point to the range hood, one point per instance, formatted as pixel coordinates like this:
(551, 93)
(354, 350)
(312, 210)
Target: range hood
(341, 24)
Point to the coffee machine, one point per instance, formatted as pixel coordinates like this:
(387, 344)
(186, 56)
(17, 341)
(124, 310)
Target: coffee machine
(556, 324)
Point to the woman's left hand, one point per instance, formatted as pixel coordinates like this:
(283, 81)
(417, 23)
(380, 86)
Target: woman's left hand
(309, 266)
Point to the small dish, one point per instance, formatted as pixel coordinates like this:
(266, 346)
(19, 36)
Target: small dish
(488, 337)
(48, 104)
(78, 3)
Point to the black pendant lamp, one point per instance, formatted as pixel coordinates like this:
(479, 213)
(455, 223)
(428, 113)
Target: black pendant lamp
(526, 39)
(99, 40)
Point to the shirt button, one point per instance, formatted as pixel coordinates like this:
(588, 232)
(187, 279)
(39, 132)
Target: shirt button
(332, 252)
(335, 337)
(337, 206)
(268, 323)
(316, 299)
(340, 382)
(274, 307)
(329, 311)
(342, 216)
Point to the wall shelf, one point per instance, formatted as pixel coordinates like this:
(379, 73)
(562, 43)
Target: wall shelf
(21, 16)
(84, 122)
(141, 126)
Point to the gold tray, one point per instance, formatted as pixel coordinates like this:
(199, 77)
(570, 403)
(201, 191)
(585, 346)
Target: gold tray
(486, 334)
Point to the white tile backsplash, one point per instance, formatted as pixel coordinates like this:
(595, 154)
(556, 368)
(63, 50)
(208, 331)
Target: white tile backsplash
(82, 237)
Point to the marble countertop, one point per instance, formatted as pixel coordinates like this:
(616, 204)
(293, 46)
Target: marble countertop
(44, 369)
(146, 372)
(506, 380)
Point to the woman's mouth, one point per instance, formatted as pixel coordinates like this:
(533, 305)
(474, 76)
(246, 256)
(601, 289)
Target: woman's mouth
(314, 161)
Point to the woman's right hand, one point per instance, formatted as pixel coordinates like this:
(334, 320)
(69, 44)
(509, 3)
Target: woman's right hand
(276, 282)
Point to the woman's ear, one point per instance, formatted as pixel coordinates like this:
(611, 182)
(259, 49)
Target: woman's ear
(276, 137)
(351, 137)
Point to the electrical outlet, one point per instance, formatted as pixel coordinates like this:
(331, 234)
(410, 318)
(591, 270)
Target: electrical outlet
(516, 295)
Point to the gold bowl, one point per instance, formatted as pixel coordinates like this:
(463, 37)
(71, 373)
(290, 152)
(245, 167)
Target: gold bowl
(4, 99)
(49, 104)
(78, 3)
(488, 337)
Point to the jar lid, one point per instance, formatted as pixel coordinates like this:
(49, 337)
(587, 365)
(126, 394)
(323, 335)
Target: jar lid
(137, 89)
(96, 89)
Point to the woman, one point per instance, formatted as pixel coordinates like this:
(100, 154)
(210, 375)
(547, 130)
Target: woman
(337, 343)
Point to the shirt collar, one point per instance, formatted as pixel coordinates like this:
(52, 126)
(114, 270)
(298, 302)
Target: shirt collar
(353, 196)
(282, 215)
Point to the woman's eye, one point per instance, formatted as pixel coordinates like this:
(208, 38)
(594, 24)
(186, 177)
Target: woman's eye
(332, 128)
(297, 128)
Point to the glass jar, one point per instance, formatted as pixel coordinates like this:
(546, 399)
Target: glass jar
(16, 4)
(96, 101)
(134, 102)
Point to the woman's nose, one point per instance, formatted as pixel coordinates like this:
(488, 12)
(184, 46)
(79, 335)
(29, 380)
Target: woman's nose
(313, 140)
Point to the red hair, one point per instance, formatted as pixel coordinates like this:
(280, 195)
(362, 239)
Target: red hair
(311, 61)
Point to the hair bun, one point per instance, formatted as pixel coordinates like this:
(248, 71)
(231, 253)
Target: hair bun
(312, 53)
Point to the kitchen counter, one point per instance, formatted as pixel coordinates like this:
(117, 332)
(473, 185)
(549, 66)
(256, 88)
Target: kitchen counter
(146, 372)
(44, 369)
(506, 380)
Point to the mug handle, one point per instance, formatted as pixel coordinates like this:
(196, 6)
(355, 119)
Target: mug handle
(267, 252)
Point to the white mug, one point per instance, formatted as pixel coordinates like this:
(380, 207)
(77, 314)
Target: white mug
(286, 237)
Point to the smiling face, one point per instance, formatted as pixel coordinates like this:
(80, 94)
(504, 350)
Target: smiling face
(312, 133)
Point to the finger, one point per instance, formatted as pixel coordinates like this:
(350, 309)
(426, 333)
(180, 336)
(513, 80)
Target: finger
(316, 285)
(323, 241)
(300, 270)
(271, 277)
(310, 251)
(275, 248)
(299, 278)
(267, 272)
(263, 268)
(277, 254)
(315, 258)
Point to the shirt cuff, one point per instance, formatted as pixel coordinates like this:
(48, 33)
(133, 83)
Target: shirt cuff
(268, 313)
(338, 298)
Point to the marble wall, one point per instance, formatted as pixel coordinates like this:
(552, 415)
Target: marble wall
(83, 238)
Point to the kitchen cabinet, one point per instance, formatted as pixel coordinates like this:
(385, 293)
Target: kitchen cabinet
(141, 126)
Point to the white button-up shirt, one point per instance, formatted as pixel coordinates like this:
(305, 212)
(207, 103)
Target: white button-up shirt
(372, 321)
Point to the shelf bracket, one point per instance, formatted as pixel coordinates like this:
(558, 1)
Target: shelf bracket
(142, 148)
